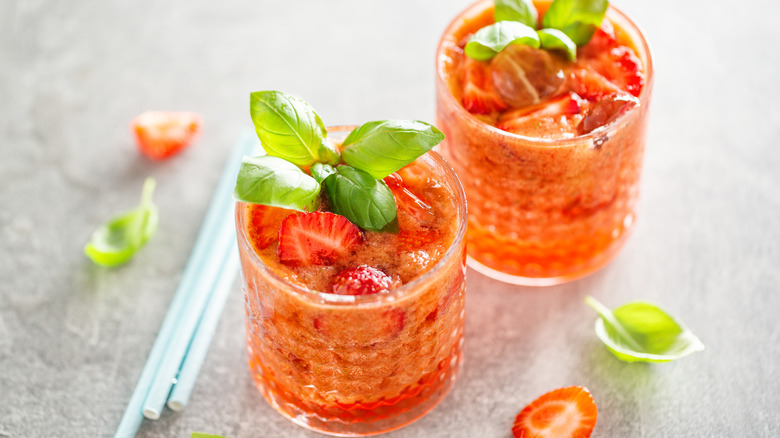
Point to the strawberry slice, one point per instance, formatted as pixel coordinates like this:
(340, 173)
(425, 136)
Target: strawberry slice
(362, 280)
(562, 413)
(619, 65)
(547, 119)
(264, 222)
(317, 238)
(479, 97)
(591, 85)
(408, 201)
(603, 40)
(160, 134)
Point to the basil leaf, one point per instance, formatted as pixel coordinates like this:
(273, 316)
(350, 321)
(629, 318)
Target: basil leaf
(488, 41)
(641, 331)
(367, 202)
(118, 240)
(321, 171)
(384, 146)
(289, 128)
(578, 19)
(554, 39)
(273, 181)
(523, 11)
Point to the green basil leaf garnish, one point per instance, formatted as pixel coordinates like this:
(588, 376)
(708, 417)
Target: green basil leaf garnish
(289, 128)
(384, 146)
(523, 11)
(488, 41)
(641, 331)
(321, 171)
(554, 39)
(367, 202)
(119, 239)
(273, 181)
(578, 19)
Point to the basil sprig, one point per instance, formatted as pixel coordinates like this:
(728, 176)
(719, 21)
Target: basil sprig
(554, 39)
(295, 139)
(119, 239)
(273, 181)
(289, 128)
(516, 10)
(567, 24)
(490, 40)
(578, 19)
(385, 146)
(641, 331)
(361, 198)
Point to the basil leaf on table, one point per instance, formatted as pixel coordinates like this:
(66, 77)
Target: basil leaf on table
(554, 39)
(384, 146)
(488, 41)
(523, 11)
(119, 239)
(367, 202)
(321, 171)
(273, 181)
(642, 332)
(578, 19)
(289, 128)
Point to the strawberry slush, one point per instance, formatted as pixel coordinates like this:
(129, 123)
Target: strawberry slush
(551, 167)
(327, 350)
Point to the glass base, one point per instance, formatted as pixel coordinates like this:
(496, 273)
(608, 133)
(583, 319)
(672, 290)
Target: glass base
(592, 266)
(432, 390)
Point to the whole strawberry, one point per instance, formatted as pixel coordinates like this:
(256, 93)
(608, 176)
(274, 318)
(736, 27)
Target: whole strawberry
(362, 280)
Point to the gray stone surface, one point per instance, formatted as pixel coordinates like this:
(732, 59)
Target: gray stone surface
(74, 337)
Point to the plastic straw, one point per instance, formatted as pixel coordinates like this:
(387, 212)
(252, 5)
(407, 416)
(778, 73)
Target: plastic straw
(193, 308)
(133, 416)
(199, 346)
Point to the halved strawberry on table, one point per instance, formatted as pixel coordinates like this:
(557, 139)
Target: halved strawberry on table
(562, 413)
(479, 97)
(318, 238)
(162, 134)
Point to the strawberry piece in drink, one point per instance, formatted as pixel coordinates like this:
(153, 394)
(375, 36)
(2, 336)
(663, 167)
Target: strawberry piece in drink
(361, 280)
(408, 201)
(264, 224)
(479, 97)
(318, 238)
(558, 117)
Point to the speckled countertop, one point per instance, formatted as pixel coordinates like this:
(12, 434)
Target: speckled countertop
(74, 338)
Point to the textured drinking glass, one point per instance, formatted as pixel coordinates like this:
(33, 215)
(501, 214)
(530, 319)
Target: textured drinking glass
(357, 365)
(542, 212)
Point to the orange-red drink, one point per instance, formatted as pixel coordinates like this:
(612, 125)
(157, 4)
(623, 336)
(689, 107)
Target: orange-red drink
(552, 184)
(360, 364)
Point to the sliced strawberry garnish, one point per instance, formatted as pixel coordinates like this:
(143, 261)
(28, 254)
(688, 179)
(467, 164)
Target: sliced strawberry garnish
(591, 85)
(264, 223)
(619, 65)
(362, 280)
(479, 97)
(318, 238)
(550, 119)
(562, 413)
(407, 201)
(606, 111)
(163, 134)
(603, 40)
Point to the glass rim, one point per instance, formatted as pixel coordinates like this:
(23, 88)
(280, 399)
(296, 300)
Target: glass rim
(394, 294)
(612, 11)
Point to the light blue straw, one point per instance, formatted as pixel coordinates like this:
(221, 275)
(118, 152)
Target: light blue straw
(199, 346)
(133, 416)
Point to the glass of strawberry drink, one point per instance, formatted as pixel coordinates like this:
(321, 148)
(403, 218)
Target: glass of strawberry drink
(546, 133)
(355, 301)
